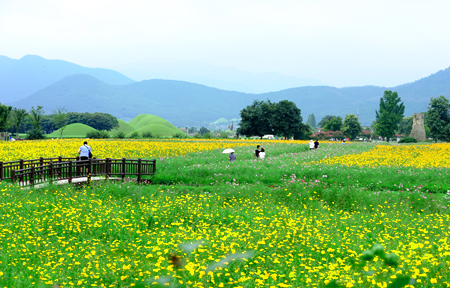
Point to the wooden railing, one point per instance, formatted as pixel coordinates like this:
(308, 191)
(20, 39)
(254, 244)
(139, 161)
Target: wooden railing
(32, 172)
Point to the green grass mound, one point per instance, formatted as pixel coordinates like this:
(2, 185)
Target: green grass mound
(155, 124)
(73, 130)
(123, 127)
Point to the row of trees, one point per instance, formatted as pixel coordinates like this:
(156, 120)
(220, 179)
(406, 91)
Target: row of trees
(271, 118)
(35, 122)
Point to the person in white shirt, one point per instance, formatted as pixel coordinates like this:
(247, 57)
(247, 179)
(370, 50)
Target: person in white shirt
(311, 145)
(262, 154)
(84, 151)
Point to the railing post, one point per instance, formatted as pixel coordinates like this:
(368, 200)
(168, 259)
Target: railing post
(32, 176)
(50, 172)
(21, 167)
(1, 170)
(70, 172)
(108, 167)
(78, 167)
(89, 170)
(41, 161)
(13, 176)
(123, 168)
(139, 170)
(60, 169)
(154, 166)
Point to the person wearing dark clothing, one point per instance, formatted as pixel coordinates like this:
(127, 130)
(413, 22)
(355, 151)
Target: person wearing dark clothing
(232, 157)
(257, 152)
(316, 144)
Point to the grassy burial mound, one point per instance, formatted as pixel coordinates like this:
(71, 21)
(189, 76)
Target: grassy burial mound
(154, 124)
(76, 130)
(123, 127)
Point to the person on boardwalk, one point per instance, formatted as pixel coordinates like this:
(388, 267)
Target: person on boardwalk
(262, 154)
(257, 151)
(232, 157)
(316, 144)
(311, 145)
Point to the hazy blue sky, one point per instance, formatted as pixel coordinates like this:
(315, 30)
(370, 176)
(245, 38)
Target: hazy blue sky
(341, 43)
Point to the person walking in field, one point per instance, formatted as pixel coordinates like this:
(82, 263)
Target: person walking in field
(262, 154)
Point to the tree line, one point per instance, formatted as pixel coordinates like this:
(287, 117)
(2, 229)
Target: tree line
(36, 123)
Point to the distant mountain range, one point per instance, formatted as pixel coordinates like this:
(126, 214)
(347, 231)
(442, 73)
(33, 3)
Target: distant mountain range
(224, 78)
(187, 104)
(23, 77)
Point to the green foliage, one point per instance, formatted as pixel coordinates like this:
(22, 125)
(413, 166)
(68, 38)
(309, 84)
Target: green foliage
(312, 121)
(389, 115)
(147, 134)
(179, 135)
(4, 113)
(408, 140)
(99, 121)
(60, 119)
(207, 135)
(36, 116)
(119, 135)
(95, 134)
(334, 124)
(35, 134)
(351, 127)
(405, 126)
(203, 131)
(438, 118)
(261, 118)
(223, 134)
(17, 116)
(134, 134)
(324, 120)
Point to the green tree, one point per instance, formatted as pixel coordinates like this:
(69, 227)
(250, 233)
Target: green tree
(256, 119)
(203, 130)
(4, 113)
(36, 116)
(351, 127)
(335, 124)
(405, 126)
(325, 120)
(438, 118)
(389, 115)
(286, 119)
(312, 121)
(17, 117)
(60, 119)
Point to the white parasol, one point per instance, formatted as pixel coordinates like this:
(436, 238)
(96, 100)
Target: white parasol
(226, 151)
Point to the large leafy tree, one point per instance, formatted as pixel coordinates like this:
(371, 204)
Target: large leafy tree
(351, 127)
(60, 119)
(4, 113)
(256, 119)
(17, 117)
(287, 119)
(438, 118)
(325, 120)
(335, 124)
(312, 121)
(389, 115)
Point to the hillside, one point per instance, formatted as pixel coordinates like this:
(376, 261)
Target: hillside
(154, 124)
(124, 127)
(183, 103)
(23, 77)
(76, 130)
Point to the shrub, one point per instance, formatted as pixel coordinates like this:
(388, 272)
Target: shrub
(135, 134)
(119, 135)
(147, 134)
(223, 135)
(94, 134)
(207, 135)
(198, 136)
(408, 140)
(35, 134)
(179, 135)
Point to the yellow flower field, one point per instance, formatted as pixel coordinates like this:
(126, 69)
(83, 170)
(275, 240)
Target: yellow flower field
(420, 156)
(145, 149)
